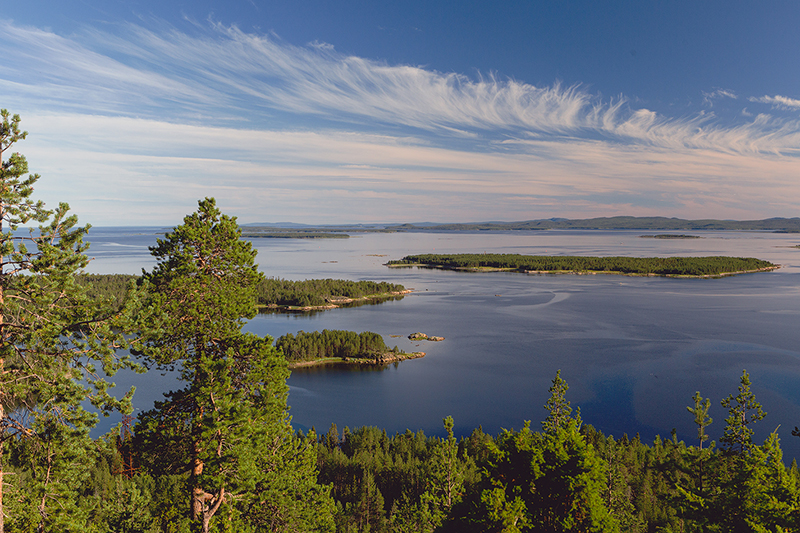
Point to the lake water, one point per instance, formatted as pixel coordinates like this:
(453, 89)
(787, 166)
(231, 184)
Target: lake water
(633, 349)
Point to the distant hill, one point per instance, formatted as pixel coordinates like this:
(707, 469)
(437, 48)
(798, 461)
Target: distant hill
(635, 223)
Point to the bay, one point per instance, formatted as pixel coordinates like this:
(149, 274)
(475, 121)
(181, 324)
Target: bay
(633, 349)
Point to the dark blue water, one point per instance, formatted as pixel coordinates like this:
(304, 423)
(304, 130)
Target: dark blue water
(633, 350)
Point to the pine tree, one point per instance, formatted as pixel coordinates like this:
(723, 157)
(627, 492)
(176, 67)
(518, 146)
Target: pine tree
(229, 426)
(51, 334)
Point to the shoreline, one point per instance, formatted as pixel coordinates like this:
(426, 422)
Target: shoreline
(333, 302)
(381, 359)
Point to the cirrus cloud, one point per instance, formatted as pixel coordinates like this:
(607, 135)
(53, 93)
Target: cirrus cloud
(252, 120)
(783, 102)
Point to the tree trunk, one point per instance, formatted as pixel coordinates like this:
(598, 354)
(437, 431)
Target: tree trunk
(197, 492)
(2, 443)
(197, 466)
(2, 369)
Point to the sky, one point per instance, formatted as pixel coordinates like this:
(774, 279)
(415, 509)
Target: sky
(323, 112)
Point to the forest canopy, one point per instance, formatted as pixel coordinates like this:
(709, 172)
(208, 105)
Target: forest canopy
(273, 292)
(658, 266)
(318, 292)
(331, 344)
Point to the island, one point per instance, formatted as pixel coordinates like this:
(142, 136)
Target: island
(339, 347)
(670, 236)
(295, 235)
(272, 294)
(299, 231)
(424, 337)
(690, 267)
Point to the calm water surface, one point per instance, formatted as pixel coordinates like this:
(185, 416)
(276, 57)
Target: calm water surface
(633, 350)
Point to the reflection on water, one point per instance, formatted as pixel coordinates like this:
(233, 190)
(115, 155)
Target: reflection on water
(633, 350)
(335, 367)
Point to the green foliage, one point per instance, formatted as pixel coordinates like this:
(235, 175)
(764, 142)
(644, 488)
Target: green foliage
(331, 343)
(228, 430)
(661, 266)
(701, 418)
(550, 481)
(269, 291)
(52, 336)
(406, 482)
(318, 292)
(558, 408)
(112, 288)
(117, 502)
(743, 410)
(51, 470)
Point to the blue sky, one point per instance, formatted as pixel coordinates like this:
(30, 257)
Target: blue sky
(326, 112)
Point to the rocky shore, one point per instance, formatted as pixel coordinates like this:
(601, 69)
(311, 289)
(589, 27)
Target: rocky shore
(423, 337)
(379, 359)
(332, 302)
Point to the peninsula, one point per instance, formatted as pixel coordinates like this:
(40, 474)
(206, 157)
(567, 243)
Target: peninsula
(695, 267)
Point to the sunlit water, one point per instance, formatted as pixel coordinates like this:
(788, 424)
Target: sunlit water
(633, 349)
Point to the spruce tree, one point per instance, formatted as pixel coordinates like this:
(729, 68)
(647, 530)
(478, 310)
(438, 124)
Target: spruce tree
(568, 495)
(701, 418)
(743, 411)
(753, 490)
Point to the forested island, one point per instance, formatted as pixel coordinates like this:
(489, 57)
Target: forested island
(296, 235)
(322, 293)
(297, 231)
(271, 293)
(336, 346)
(110, 287)
(714, 266)
(670, 236)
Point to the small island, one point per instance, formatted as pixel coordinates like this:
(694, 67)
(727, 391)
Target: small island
(418, 336)
(339, 347)
(282, 295)
(670, 236)
(689, 267)
(294, 235)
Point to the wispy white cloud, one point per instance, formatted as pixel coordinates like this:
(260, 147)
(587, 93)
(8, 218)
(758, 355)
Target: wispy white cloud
(223, 73)
(137, 123)
(153, 172)
(710, 97)
(781, 102)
